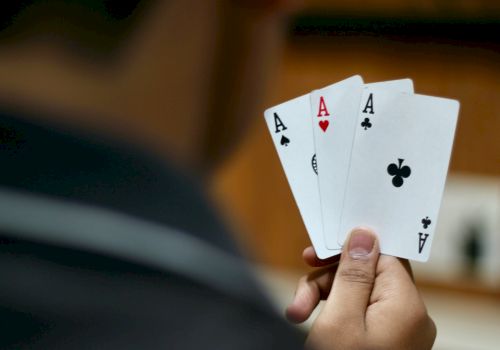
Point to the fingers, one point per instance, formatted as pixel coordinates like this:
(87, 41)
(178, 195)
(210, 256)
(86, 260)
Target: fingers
(311, 259)
(310, 290)
(313, 287)
(407, 267)
(394, 280)
(355, 278)
(395, 270)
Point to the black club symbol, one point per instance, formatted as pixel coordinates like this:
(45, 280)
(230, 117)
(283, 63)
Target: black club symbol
(399, 172)
(366, 123)
(426, 222)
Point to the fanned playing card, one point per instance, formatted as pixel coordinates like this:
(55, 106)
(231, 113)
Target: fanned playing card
(398, 170)
(290, 127)
(334, 114)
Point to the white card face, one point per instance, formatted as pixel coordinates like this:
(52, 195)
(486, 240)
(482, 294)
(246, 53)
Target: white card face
(290, 126)
(398, 170)
(334, 113)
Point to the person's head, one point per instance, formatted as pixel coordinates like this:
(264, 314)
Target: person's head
(184, 77)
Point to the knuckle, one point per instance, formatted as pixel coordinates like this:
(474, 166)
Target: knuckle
(358, 275)
(433, 333)
(323, 326)
(425, 325)
(302, 280)
(301, 285)
(433, 329)
(420, 315)
(345, 335)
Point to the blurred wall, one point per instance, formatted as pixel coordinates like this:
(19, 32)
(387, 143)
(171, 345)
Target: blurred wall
(449, 49)
(116, 69)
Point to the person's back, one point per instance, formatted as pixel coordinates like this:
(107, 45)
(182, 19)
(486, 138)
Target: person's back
(70, 291)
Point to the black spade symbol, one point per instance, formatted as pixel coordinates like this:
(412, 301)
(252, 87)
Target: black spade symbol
(284, 140)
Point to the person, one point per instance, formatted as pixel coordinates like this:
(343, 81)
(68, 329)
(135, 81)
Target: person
(104, 245)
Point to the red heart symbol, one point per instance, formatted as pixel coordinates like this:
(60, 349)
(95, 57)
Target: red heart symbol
(323, 124)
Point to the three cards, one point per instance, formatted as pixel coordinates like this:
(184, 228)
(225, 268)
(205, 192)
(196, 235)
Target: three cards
(373, 155)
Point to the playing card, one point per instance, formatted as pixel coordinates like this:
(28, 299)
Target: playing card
(398, 169)
(290, 127)
(334, 111)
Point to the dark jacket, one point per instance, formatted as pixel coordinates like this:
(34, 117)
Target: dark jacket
(59, 290)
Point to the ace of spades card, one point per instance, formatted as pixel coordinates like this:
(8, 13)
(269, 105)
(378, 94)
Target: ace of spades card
(289, 124)
(398, 170)
(290, 127)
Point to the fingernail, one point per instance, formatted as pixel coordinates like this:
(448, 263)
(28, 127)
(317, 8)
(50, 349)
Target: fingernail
(361, 243)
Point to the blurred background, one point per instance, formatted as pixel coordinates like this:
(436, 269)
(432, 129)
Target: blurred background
(110, 61)
(449, 49)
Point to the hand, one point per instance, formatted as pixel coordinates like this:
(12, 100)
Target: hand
(371, 300)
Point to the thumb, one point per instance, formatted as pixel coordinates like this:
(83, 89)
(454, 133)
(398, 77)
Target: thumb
(355, 277)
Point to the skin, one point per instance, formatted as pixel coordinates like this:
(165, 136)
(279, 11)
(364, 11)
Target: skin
(371, 301)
